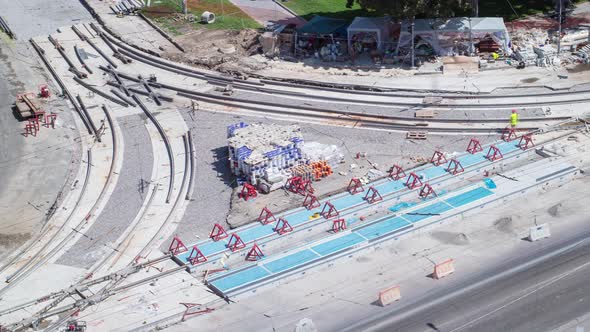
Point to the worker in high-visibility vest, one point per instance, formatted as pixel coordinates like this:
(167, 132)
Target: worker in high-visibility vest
(513, 119)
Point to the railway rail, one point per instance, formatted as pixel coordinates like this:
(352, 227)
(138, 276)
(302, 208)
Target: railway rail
(43, 255)
(347, 118)
(21, 252)
(166, 142)
(264, 82)
(351, 118)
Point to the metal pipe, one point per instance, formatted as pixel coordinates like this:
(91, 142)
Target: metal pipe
(166, 142)
(63, 54)
(101, 93)
(79, 56)
(64, 90)
(192, 165)
(89, 118)
(122, 97)
(84, 38)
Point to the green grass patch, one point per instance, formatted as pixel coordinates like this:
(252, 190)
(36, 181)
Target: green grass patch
(522, 8)
(330, 8)
(228, 16)
(494, 8)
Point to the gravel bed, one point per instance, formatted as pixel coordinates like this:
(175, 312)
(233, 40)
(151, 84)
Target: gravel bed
(124, 203)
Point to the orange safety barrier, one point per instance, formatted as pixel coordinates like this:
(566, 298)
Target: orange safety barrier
(443, 269)
(389, 296)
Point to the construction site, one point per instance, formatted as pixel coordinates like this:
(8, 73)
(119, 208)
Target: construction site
(157, 176)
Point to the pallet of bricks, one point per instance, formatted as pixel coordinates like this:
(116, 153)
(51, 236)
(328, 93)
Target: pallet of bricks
(314, 171)
(303, 171)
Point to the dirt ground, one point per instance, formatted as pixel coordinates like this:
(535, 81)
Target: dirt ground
(221, 50)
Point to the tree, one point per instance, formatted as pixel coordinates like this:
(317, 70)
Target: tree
(411, 8)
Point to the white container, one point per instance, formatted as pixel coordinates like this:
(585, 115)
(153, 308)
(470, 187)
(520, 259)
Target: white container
(207, 17)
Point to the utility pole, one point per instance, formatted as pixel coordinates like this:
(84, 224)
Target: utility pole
(471, 50)
(475, 5)
(412, 27)
(559, 35)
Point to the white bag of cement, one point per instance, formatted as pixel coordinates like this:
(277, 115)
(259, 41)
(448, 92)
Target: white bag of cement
(315, 151)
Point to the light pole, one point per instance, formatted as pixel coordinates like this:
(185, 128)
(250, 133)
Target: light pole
(559, 34)
(470, 38)
(412, 27)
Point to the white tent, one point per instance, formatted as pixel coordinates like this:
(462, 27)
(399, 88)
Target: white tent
(380, 26)
(442, 35)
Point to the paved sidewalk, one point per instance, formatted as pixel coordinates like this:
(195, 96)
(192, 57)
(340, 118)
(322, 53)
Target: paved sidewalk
(267, 11)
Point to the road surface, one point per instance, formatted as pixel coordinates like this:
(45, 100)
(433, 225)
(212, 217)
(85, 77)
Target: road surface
(537, 294)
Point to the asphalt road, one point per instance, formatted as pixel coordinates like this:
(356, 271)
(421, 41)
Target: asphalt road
(537, 294)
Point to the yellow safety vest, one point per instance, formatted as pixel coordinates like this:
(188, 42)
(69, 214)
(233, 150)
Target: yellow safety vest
(513, 119)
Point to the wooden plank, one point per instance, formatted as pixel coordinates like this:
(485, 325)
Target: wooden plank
(416, 135)
(424, 114)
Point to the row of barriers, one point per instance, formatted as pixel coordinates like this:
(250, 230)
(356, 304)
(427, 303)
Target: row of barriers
(329, 211)
(393, 294)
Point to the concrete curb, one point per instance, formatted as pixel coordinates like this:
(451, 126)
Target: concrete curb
(289, 10)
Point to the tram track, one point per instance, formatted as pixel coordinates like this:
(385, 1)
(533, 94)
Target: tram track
(44, 255)
(351, 118)
(264, 83)
(21, 252)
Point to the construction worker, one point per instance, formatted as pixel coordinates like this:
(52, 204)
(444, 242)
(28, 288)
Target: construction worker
(513, 119)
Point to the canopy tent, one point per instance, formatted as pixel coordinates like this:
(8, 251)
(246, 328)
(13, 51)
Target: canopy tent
(380, 26)
(443, 36)
(311, 37)
(320, 25)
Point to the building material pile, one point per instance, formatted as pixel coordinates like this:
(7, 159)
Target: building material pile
(264, 154)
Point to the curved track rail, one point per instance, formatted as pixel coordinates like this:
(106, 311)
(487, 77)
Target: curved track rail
(64, 89)
(352, 118)
(33, 264)
(264, 82)
(26, 248)
(166, 142)
(367, 121)
(146, 248)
